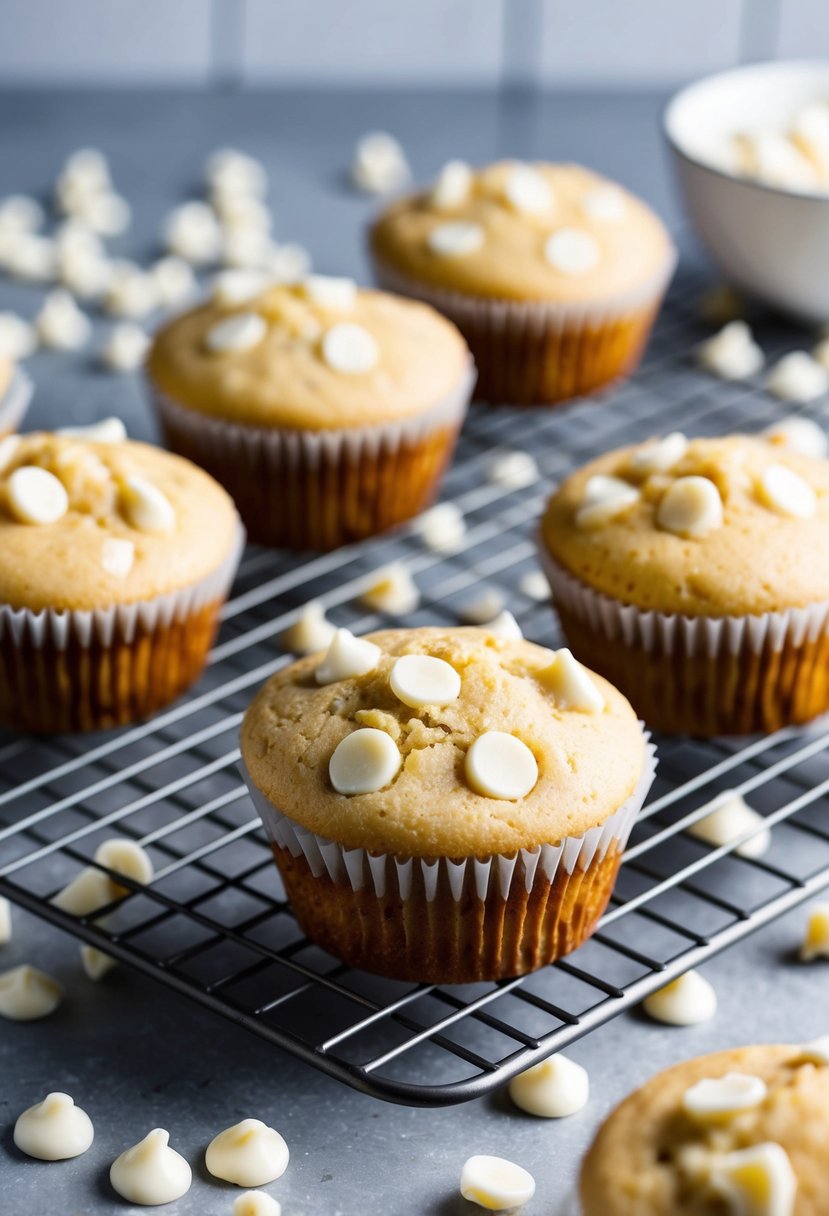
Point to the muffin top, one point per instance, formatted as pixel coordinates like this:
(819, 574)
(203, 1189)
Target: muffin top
(731, 526)
(667, 1149)
(517, 231)
(317, 355)
(490, 744)
(87, 525)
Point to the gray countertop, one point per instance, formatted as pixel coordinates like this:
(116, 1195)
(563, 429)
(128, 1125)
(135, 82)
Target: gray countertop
(136, 1055)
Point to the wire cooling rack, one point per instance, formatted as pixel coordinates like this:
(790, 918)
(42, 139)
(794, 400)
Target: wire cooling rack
(214, 923)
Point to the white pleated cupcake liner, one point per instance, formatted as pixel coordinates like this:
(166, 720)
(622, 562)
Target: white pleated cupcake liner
(15, 401)
(119, 622)
(660, 633)
(390, 874)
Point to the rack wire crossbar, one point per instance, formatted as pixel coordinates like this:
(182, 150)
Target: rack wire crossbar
(215, 925)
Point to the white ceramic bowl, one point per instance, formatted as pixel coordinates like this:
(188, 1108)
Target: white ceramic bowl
(772, 243)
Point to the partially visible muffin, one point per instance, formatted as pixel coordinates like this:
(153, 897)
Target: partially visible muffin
(553, 273)
(115, 559)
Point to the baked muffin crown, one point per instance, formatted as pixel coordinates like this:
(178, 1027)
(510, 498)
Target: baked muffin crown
(730, 526)
(567, 769)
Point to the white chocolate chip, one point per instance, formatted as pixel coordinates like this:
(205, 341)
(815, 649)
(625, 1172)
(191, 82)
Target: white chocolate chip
(126, 857)
(756, 1181)
(350, 349)
(686, 1001)
(340, 295)
(603, 500)
(145, 507)
(553, 1089)
(27, 994)
(798, 377)
(660, 455)
(310, 632)
(786, 492)
(241, 211)
(288, 263)
(96, 963)
(61, 324)
(18, 338)
(572, 251)
(691, 507)
(456, 239)
(499, 765)
(36, 496)
(131, 292)
(106, 213)
(346, 658)
(604, 203)
(173, 280)
(730, 818)
(256, 1203)
(125, 348)
(816, 940)
(229, 171)
(363, 762)
(151, 1172)
(513, 471)
(504, 625)
(453, 185)
(8, 446)
(570, 683)
(535, 586)
(32, 259)
(248, 1154)
(484, 608)
(5, 921)
(192, 232)
(117, 556)
(527, 190)
(240, 332)
(731, 354)
(799, 435)
(54, 1129)
(392, 591)
(88, 891)
(442, 528)
(86, 274)
(246, 248)
(421, 679)
(496, 1184)
(816, 1052)
(379, 165)
(21, 213)
(231, 287)
(717, 1099)
(108, 430)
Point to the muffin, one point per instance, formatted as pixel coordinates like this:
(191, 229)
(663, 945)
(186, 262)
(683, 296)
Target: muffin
(15, 394)
(445, 805)
(115, 559)
(743, 1130)
(553, 274)
(329, 413)
(695, 576)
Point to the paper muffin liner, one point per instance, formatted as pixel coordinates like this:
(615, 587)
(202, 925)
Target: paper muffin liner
(91, 670)
(15, 402)
(534, 352)
(451, 920)
(304, 489)
(699, 675)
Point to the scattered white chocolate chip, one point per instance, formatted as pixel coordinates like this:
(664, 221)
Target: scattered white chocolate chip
(96, 963)
(18, 338)
(108, 430)
(27, 994)
(421, 679)
(349, 348)
(504, 625)
(151, 1173)
(535, 586)
(125, 348)
(572, 251)
(88, 891)
(604, 203)
(799, 435)
(456, 239)
(691, 507)
(193, 233)
(816, 1052)
(786, 492)
(570, 683)
(239, 332)
(452, 186)
(126, 857)
(730, 818)
(756, 1181)
(660, 455)
(340, 295)
(495, 1183)
(245, 248)
(347, 657)
(288, 263)
(798, 377)
(379, 165)
(248, 1154)
(106, 213)
(54, 1129)
(145, 507)
(231, 287)
(604, 499)
(84, 272)
(816, 940)
(513, 471)
(442, 528)
(117, 556)
(20, 213)
(173, 280)
(131, 292)
(527, 190)
(230, 171)
(310, 632)
(484, 608)
(392, 591)
(553, 1089)
(256, 1203)
(61, 324)
(717, 1099)
(731, 354)
(32, 259)
(499, 765)
(686, 1001)
(364, 761)
(5, 921)
(242, 212)
(36, 496)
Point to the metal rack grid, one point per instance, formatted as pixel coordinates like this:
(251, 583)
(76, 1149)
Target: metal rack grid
(214, 923)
